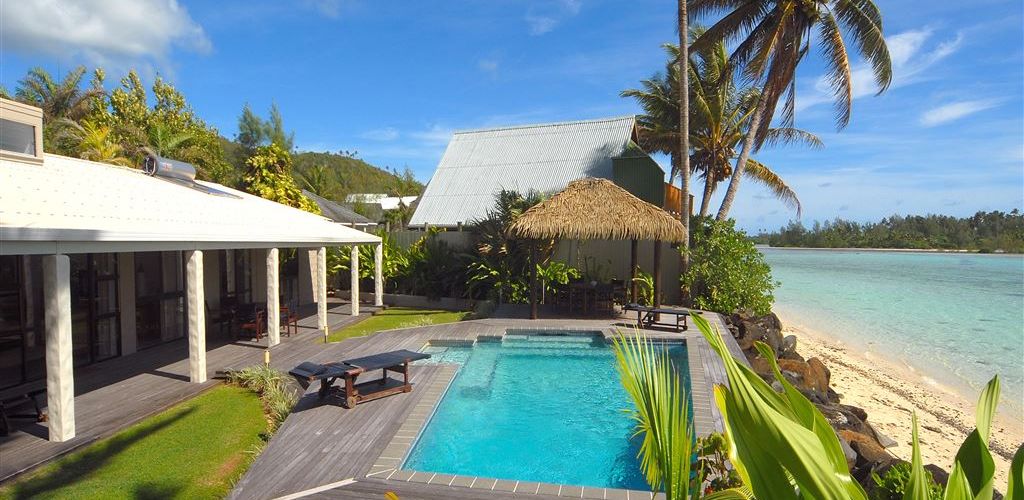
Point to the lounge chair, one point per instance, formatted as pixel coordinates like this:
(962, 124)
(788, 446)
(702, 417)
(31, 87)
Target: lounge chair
(349, 370)
(646, 316)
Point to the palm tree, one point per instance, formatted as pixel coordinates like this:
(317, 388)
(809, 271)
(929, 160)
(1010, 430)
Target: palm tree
(721, 115)
(316, 179)
(63, 99)
(682, 63)
(164, 141)
(95, 142)
(774, 36)
(718, 118)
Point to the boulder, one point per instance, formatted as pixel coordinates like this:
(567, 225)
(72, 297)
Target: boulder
(885, 441)
(851, 456)
(761, 367)
(939, 475)
(841, 417)
(788, 346)
(869, 452)
(794, 371)
(772, 321)
(818, 376)
(773, 337)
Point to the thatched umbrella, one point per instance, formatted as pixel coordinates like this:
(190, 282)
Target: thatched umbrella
(598, 209)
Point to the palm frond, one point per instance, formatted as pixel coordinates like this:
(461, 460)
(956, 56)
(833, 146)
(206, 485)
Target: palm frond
(864, 20)
(789, 135)
(763, 175)
(833, 49)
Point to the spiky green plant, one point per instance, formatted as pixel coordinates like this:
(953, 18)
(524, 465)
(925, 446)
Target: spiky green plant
(973, 474)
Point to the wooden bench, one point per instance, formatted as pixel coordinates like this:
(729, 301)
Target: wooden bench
(647, 316)
(17, 396)
(350, 370)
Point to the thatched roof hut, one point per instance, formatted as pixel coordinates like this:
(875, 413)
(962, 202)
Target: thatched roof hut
(597, 209)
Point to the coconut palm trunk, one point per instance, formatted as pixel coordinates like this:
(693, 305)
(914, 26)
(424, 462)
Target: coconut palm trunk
(741, 162)
(684, 144)
(709, 190)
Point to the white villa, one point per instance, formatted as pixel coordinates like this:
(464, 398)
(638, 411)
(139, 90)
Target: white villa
(99, 261)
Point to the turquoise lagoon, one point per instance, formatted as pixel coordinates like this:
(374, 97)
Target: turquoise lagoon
(954, 318)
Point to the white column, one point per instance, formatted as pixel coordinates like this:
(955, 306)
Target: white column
(273, 300)
(378, 275)
(354, 271)
(321, 289)
(195, 303)
(60, 378)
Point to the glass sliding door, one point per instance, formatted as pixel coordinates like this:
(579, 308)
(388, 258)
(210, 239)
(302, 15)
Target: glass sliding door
(95, 320)
(159, 297)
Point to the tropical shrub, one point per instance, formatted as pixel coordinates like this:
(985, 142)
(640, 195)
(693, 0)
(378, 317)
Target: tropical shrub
(553, 274)
(435, 269)
(272, 387)
(712, 465)
(726, 271)
(645, 287)
(892, 484)
(269, 176)
(500, 267)
(394, 265)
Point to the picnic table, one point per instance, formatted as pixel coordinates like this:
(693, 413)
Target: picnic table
(647, 316)
(350, 370)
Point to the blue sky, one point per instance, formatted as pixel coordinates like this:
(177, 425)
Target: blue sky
(393, 79)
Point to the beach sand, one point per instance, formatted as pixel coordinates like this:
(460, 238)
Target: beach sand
(889, 392)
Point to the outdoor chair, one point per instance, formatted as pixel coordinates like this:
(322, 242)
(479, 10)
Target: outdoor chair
(256, 323)
(290, 319)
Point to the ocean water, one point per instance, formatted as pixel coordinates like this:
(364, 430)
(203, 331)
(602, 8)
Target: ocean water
(534, 408)
(956, 319)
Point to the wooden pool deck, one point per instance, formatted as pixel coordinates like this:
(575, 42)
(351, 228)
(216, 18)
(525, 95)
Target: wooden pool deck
(325, 451)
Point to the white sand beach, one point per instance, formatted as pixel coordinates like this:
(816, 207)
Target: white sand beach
(889, 392)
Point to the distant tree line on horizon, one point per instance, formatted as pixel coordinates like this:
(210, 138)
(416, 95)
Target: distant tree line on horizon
(985, 232)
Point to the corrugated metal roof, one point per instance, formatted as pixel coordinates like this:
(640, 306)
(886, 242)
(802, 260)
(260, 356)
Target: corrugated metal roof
(71, 205)
(335, 211)
(546, 158)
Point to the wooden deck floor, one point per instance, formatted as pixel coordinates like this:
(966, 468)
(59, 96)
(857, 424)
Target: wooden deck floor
(321, 444)
(112, 395)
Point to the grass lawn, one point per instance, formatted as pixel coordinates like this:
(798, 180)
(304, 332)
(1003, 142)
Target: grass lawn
(397, 317)
(196, 449)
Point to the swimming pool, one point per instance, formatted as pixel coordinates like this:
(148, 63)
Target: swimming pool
(535, 407)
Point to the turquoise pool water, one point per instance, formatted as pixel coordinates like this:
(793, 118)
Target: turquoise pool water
(535, 408)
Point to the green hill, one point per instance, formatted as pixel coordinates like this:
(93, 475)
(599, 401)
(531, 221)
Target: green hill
(346, 175)
(341, 175)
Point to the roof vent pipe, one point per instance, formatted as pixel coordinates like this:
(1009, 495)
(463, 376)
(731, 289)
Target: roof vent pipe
(166, 167)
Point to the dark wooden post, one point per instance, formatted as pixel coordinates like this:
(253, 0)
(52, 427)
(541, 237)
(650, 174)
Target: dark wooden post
(657, 274)
(634, 287)
(533, 281)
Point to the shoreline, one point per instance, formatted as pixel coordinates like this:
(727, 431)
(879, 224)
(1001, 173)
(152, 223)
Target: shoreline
(890, 393)
(895, 250)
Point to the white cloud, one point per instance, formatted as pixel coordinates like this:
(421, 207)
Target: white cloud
(954, 111)
(435, 134)
(543, 17)
(381, 134)
(103, 31)
(489, 66)
(909, 63)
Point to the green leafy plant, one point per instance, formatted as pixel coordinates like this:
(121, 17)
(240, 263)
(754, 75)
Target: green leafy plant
(554, 274)
(892, 484)
(973, 473)
(712, 465)
(269, 176)
(435, 268)
(726, 271)
(272, 387)
(662, 414)
(782, 446)
(500, 266)
(645, 287)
